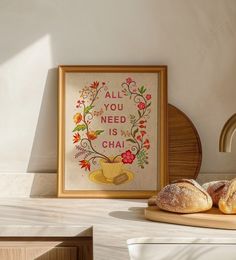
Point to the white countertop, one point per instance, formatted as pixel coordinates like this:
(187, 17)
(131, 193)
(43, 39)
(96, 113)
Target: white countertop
(111, 222)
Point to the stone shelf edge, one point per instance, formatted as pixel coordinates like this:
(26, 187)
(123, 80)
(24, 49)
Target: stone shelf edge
(25, 185)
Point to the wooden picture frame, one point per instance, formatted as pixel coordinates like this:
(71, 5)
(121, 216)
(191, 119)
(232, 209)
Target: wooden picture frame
(112, 131)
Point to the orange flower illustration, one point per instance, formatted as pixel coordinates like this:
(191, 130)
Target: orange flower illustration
(77, 118)
(76, 138)
(85, 164)
(94, 85)
(91, 135)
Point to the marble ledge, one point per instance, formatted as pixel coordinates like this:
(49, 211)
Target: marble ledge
(25, 185)
(45, 231)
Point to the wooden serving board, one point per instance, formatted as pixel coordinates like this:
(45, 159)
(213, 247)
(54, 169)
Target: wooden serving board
(210, 219)
(185, 150)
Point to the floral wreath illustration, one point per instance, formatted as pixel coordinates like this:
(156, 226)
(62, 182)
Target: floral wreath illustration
(84, 134)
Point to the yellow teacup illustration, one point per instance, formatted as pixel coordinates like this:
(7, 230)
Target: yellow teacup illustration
(111, 169)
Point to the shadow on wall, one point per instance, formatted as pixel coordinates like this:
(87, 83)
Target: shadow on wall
(43, 185)
(72, 40)
(43, 156)
(45, 138)
(80, 31)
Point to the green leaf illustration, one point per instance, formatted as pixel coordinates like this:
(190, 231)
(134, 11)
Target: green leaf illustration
(132, 119)
(87, 109)
(80, 128)
(139, 113)
(148, 105)
(142, 158)
(142, 90)
(130, 140)
(135, 131)
(98, 132)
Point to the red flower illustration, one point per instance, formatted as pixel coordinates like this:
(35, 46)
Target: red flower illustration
(129, 80)
(76, 138)
(146, 144)
(127, 157)
(141, 105)
(143, 133)
(79, 103)
(91, 135)
(139, 138)
(94, 85)
(142, 122)
(142, 126)
(85, 164)
(148, 96)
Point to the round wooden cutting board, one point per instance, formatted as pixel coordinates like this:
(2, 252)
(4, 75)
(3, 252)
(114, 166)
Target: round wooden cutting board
(212, 218)
(185, 150)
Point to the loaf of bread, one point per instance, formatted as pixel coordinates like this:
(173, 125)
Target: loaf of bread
(184, 196)
(216, 189)
(227, 202)
(152, 201)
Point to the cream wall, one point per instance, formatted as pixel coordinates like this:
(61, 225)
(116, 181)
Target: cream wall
(195, 38)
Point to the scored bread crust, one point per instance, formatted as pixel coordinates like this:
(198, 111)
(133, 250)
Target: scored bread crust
(227, 203)
(216, 189)
(184, 196)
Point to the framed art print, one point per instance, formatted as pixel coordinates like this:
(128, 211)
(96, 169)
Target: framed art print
(112, 131)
